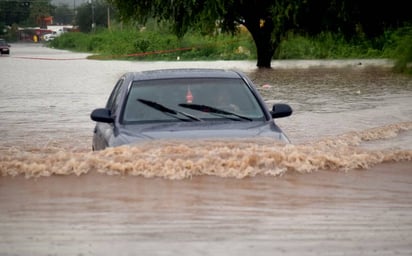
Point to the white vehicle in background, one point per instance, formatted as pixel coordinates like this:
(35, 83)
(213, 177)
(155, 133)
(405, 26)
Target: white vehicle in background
(53, 35)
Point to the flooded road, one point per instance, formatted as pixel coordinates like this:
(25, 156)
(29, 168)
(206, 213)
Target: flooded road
(341, 188)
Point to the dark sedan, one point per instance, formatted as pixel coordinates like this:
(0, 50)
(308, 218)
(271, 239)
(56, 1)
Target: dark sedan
(4, 47)
(185, 104)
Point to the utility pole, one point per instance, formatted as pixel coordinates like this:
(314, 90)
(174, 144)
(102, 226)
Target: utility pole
(74, 12)
(108, 17)
(93, 23)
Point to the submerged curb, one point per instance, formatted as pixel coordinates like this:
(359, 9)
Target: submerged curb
(361, 63)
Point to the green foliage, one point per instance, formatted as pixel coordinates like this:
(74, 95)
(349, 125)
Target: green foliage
(270, 21)
(3, 29)
(326, 45)
(96, 12)
(38, 10)
(9, 33)
(402, 49)
(63, 14)
(24, 12)
(12, 12)
(133, 42)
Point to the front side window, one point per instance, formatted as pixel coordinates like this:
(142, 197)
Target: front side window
(170, 100)
(113, 100)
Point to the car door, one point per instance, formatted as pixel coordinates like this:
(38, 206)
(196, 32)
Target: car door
(104, 132)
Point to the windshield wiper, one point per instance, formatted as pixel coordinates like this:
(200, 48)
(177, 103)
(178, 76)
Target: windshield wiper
(212, 110)
(169, 111)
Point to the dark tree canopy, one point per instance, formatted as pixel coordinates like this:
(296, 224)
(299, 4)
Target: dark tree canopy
(95, 12)
(24, 12)
(12, 12)
(269, 21)
(63, 14)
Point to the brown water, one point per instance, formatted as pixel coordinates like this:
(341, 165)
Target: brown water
(341, 188)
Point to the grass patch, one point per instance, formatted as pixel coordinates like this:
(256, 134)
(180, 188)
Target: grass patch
(133, 43)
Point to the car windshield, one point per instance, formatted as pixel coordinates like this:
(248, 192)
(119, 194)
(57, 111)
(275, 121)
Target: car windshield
(191, 99)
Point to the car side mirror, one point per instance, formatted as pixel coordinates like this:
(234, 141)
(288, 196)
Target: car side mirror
(281, 110)
(102, 115)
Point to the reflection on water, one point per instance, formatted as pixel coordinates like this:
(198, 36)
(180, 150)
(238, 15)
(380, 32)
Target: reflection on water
(333, 90)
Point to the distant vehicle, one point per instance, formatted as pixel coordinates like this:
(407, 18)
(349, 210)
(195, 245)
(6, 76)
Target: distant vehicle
(52, 36)
(4, 47)
(185, 104)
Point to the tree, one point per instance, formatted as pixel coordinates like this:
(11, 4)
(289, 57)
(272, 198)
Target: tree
(96, 12)
(63, 14)
(269, 21)
(14, 12)
(24, 12)
(266, 20)
(38, 11)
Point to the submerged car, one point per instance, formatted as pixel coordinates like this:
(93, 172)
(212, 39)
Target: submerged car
(4, 47)
(185, 104)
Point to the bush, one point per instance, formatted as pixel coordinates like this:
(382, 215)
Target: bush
(402, 49)
(133, 42)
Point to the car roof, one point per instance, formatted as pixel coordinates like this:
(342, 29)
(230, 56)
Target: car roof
(184, 73)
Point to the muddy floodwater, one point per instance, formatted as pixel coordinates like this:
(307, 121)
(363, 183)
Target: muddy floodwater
(342, 187)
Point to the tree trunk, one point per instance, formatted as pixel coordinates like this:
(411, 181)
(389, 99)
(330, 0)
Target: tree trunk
(262, 35)
(264, 53)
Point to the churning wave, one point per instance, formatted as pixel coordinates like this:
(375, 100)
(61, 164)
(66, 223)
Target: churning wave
(222, 158)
